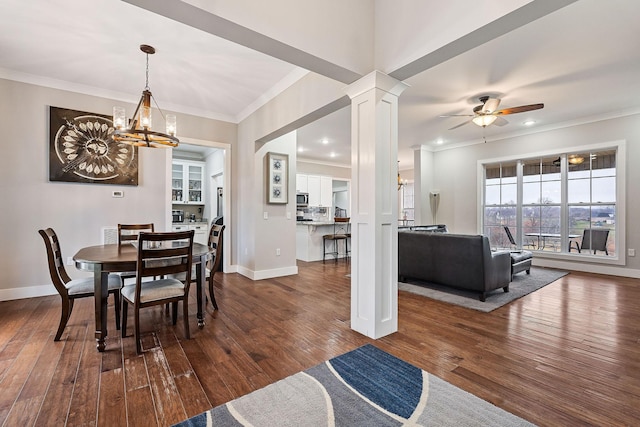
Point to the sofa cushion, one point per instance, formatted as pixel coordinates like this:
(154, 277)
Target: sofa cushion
(458, 260)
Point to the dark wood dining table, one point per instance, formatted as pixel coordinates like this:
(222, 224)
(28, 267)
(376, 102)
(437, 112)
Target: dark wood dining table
(113, 258)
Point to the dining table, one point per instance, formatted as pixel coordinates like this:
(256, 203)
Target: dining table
(114, 258)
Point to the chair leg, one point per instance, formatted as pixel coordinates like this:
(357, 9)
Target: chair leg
(125, 307)
(185, 313)
(136, 318)
(65, 313)
(211, 295)
(174, 314)
(324, 249)
(116, 303)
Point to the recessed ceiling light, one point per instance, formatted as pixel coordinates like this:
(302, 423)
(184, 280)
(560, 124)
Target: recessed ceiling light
(300, 149)
(529, 123)
(439, 141)
(325, 141)
(332, 154)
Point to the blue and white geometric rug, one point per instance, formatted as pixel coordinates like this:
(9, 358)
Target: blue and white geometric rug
(365, 387)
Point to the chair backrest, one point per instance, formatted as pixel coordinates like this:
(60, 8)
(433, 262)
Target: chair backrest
(594, 239)
(215, 244)
(509, 235)
(57, 272)
(128, 233)
(163, 254)
(341, 226)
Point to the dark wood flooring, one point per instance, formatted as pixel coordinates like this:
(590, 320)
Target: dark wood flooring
(568, 354)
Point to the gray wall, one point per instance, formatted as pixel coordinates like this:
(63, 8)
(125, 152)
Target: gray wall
(76, 211)
(455, 173)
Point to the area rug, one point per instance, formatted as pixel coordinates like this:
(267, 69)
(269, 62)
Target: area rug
(521, 285)
(365, 387)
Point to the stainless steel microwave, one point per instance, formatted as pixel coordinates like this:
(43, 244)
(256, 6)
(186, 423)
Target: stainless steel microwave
(302, 200)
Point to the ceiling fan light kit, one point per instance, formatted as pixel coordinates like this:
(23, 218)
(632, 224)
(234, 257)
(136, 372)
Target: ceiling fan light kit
(484, 120)
(487, 113)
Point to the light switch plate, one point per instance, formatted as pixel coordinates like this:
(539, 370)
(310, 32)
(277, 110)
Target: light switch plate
(265, 215)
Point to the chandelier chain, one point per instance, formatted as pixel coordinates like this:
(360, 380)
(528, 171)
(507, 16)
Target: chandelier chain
(147, 74)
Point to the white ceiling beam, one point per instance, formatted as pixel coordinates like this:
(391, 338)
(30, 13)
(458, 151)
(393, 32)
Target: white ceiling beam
(215, 25)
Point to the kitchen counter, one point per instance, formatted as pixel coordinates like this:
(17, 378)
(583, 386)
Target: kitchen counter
(309, 239)
(190, 223)
(314, 223)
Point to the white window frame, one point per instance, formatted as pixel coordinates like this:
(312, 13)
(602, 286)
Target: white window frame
(620, 230)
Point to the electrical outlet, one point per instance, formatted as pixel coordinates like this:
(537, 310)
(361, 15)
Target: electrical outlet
(277, 251)
(69, 260)
(288, 215)
(631, 252)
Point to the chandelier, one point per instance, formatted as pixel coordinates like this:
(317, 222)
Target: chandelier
(137, 131)
(401, 182)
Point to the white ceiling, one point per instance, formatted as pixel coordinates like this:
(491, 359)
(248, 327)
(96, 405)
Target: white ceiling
(582, 62)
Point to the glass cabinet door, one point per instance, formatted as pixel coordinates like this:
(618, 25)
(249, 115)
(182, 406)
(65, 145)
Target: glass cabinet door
(195, 183)
(177, 182)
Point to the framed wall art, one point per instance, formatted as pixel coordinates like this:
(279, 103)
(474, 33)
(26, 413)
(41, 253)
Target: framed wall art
(277, 178)
(81, 149)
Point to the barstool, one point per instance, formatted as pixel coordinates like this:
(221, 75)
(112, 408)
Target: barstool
(340, 232)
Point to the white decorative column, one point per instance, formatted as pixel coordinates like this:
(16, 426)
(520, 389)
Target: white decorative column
(374, 218)
(423, 184)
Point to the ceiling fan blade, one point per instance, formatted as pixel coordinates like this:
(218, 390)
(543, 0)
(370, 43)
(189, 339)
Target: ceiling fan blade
(457, 115)
(490, 106)
(520, 109)
(461, 124)
(500, 121)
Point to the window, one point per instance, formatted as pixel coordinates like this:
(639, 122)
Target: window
(564, 203)
(406, 216)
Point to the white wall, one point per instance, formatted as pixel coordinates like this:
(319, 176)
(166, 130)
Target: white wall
(252, 236)
(77, 212)
(314, 168)
(455, 172)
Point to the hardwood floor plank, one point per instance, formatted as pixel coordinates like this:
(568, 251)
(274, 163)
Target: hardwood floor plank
(568, 354)
(55, 405)
(166, 396)
(83, 409)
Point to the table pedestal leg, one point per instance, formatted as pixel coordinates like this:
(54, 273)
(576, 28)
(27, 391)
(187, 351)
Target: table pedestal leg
(101, 292)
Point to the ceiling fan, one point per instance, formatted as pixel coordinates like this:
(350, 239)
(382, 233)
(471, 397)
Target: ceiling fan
(488, 113)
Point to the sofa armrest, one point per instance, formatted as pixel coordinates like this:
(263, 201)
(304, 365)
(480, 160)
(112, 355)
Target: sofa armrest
(498, 273)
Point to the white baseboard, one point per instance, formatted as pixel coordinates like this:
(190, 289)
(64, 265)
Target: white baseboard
(267, 274)
(27, 292)
(587, 268)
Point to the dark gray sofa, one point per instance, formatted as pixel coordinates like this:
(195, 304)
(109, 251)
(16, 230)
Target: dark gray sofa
(457, 260)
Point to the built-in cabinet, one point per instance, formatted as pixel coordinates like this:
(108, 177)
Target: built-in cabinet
(200, 231)
(320, 189)
(187, 179)
(302, 183)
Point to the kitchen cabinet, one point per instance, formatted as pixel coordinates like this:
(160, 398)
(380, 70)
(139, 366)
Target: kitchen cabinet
(200, 231)
(302, 183)
(187, 182)
(320, 191)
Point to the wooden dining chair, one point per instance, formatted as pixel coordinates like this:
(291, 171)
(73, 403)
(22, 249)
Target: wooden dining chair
(72, 289)
(160, 255)
(213, 265)
(128, 234)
